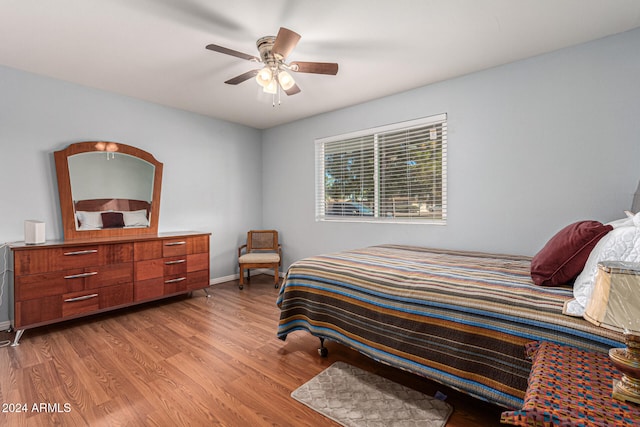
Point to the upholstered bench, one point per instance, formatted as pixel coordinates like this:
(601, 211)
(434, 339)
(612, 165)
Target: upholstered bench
(571, 387)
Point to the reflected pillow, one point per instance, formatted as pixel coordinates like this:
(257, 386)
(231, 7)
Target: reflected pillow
(112, 220)
(565, 254)
(136, 218)
(89, 220)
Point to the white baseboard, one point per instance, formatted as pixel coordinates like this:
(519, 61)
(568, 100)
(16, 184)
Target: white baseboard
(223, 279)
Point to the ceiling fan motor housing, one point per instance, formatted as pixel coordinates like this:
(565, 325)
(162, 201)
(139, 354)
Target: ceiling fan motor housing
(265, 45)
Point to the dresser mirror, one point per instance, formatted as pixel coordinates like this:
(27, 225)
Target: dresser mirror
(108, 189)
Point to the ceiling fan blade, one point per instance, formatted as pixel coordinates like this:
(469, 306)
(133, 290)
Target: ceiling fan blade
(242, 77)
(315, 67)
(227, 51)
(292, 90)
(286, 40)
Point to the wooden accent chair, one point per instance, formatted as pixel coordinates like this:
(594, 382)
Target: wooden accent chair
(261, 251)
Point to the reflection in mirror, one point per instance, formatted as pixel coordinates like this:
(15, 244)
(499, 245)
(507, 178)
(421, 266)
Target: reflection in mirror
(110, 182)
(108, 189)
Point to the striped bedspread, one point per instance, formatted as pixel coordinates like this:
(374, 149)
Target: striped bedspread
(460, 318)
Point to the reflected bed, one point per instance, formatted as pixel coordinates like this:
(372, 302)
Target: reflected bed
(97, 214)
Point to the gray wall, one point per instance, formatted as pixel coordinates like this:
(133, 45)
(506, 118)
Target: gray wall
(210, 166)
(533, 146)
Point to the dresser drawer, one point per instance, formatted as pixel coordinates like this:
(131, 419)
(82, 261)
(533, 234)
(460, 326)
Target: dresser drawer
(79, 302)
(92, 300)
(171, 248)
(198, 244)
(35, 311)
(76, 280)
(175, 284)
(198, 280)
(148, 289)
(109, 275)
(176, 266)
(114, 296)
(147, 250)
(149, 269)
(197, 262)
(41, 285)
(56, 259)
(68, 257)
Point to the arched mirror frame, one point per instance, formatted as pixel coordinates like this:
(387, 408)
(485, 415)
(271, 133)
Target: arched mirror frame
(66, 199)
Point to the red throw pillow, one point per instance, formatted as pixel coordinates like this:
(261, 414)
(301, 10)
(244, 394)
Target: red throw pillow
(112, 220)
(564, 256)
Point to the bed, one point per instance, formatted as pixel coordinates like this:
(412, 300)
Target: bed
(460, 318)
(96, 214)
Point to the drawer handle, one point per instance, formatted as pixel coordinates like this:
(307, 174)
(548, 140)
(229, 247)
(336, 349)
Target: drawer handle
(81, 275)
(175, 243)
(82, 298)
(178, 261)
(179, 279)
(88, 251)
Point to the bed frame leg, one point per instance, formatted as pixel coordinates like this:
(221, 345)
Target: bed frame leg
(323, 351)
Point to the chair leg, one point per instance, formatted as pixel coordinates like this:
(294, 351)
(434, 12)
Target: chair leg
(241, 282)
(276, 276)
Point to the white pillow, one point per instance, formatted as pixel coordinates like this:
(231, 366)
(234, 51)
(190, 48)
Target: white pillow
(135, 218)
(89, 220)
(630, 220)
(620, 244)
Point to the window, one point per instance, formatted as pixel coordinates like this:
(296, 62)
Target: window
(394, 173)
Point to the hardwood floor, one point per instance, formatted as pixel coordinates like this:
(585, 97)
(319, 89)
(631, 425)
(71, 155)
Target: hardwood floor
(193, 361)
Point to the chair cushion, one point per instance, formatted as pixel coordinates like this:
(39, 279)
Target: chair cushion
(259, 257)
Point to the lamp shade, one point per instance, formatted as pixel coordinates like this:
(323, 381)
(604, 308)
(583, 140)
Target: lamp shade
(615, 300)
(271, 88)
(285, 79)
(264, 77)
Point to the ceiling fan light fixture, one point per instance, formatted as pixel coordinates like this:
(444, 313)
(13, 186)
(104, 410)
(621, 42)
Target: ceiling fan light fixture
(275, 76)
(285, 79)
(271, 87)
(264, 77)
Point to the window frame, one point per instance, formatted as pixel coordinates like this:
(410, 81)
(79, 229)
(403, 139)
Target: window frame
(439, 120)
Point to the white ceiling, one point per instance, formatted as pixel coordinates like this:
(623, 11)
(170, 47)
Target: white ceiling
(155, 49)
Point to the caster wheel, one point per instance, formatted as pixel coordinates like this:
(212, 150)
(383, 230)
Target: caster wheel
(323, 352)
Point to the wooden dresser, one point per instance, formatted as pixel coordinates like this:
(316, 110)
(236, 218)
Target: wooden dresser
(62, 280)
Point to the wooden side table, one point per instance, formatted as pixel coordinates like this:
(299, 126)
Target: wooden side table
(571, 387)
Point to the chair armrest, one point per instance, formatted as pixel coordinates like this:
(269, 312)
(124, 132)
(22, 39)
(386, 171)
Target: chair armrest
(240, 250)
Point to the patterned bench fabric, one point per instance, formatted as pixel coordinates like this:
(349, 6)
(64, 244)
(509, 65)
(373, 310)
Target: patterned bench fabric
(460, 318)
(572, 387)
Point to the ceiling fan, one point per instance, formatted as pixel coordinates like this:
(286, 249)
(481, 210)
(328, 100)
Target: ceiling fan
(275, 73)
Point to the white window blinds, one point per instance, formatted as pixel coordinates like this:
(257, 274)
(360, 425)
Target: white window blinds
(393, 173)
